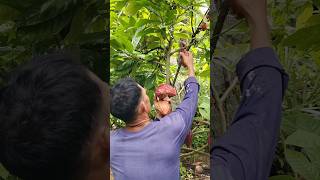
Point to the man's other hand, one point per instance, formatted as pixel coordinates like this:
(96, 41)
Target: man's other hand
(255, 12)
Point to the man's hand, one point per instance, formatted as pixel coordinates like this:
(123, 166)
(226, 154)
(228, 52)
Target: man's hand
(255, 12)
(187, 61)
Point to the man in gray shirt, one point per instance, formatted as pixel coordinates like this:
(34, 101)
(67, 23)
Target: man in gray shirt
(146, 149)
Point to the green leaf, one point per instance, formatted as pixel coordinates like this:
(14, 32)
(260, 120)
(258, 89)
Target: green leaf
(313, 20)
(304, 15)
(181, 36)
(303, 138)
(45, 30)
(3, 172)
(182, 2)
(133, 7)
(313, 155)
(301, 165)
(8, 13)
(305, 38)
(137, 36)
(204, 114)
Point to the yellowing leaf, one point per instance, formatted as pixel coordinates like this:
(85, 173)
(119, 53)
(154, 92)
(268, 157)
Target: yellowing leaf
(304, 16)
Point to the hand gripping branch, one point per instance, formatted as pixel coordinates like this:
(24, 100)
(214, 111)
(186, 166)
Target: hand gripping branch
(183, 46)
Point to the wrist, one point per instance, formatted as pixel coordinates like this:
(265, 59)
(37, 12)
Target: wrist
(257, 19)
(260, 33)
(191, 71)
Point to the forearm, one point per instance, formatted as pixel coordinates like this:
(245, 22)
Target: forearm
(189, 104)
(256, 15)
(248, 147)
(260, 33)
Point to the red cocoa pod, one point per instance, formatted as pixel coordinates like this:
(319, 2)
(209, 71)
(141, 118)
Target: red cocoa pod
(165, 90)
(203, 26)
(163, 108)
(188, 140)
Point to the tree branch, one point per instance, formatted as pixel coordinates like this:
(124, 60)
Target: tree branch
(168, 49)
(193, 41)
(194, 151)
(153, 49)
(229, 90)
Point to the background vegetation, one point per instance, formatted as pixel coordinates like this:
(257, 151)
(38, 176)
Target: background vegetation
(296, 38)
(144, 41)
(31, 28)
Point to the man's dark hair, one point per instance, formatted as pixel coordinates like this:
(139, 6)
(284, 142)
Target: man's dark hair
(125, 97)
(47, 112)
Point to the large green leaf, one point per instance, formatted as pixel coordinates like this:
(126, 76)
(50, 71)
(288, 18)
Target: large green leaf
(134, 6)
(294, 120)
(137, 36)
(304, 139)
(8, 13)
(3, 172)
(305, 38)
(304, 15)
(313, 20)
(301, 165)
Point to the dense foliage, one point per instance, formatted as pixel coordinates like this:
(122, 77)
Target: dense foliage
(295, 35)
(144, 42)
(31, 28)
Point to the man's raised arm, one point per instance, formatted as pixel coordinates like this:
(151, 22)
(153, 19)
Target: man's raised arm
(246, 151)
(189, 104)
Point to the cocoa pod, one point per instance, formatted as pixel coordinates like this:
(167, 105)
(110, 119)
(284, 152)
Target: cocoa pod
(203, 26)
(198, 169)
(163, 108)
(165, 90)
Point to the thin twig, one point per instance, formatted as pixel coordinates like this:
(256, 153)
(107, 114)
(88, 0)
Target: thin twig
(170, 43)
(220, 109)
(153, 49)
(229, 90)
(203, 122)
(193, 151)
(192, 20)
(199, 132)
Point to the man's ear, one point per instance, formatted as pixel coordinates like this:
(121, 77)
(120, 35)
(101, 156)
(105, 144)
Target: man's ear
(142, 107)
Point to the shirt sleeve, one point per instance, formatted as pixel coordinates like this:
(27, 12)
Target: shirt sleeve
(188, 107)
(247, 149)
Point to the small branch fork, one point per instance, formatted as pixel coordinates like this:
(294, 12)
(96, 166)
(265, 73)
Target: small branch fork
(192, 42)
(195, 151)
(216, 100)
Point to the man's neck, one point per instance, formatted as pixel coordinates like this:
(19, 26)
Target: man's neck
(139, 123)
